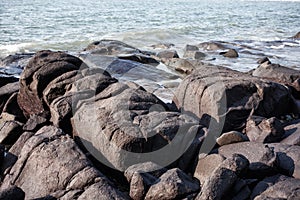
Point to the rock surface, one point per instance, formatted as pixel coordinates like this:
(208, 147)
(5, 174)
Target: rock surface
(229, 97)
(231, 137)
(174, 184)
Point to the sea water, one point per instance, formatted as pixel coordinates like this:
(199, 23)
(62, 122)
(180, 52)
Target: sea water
(259, 27)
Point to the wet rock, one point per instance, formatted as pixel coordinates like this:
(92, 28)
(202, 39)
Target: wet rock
(181, 65)
(10, 131)
(229, 97)
(223, 178)
(11, 110)
(207, 165)
(259, 129)
(111, 47)
(231, 53)
(167, 54)
(136, 122)
(276, 72)
(144, 59)
(211, 46)
(261, 157)
(292, 134)
(264, 60)
(231, 137)
(16, 60)
(174, 184)
(6, 92)
(281, 188)
(198, 55)
(162, 46)
(12, 193)
(40, 71)
(297, 36)
(51, 161)
(288, 159)
(101, 190)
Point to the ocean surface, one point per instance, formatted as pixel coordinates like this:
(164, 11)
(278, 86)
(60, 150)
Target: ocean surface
(255, 28)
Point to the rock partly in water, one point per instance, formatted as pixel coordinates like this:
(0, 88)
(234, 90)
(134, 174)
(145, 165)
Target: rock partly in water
(297, 36)
(211, 46)
(231, 53)
(230, 97)
(174, 184)
(259, 129)
(276, 72)
(111, 47)
(180, 65)
(141, 58)
(264, 60)
(167, 54)
(231, 137)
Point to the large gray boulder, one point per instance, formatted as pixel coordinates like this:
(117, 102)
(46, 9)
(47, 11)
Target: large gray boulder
(292, 134)
(230, 97)
(49, 162)
(126, 125)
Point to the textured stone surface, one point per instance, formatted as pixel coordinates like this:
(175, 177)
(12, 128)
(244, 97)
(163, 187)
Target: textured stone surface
(231, 137)
(174, 184)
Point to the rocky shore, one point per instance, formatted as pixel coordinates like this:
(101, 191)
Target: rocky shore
(117, 122)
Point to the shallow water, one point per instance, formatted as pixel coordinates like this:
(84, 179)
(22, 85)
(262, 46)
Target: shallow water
(258, 27)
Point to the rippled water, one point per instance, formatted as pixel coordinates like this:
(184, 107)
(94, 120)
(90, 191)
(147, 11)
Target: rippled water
(71, 25)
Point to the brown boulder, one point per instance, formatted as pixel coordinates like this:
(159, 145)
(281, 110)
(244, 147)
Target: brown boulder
(40, 71)
(6, 91)
(229, 97)
(174, 184)
(292, 134)
(231, 53)
(231, 137)
(50, 163)
(259, 129)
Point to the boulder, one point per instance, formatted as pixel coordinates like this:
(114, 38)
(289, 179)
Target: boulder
(292, 134)
(297, 36)
(276, 72)
(162, 46)
(12, 193)
(174, 184)
(207, 164)
(40, 71)
(167, 54)
(211, 46)
(231, 137)
(121, 124)
(111, 47)
(140, 184)
(2, 151)
(34, 123)
(281, 188)
(264, 60)
(223, 178)
(7, 79)
(141, 58)
(16, 60)
(102, 190)
(10, 131)
(11, 110)
(180, 65)
(50, 163)
(231, 53)
(262, 158)
(288, 159)
(230, 97)
(147, 167)
(5, 93)
(259, 129)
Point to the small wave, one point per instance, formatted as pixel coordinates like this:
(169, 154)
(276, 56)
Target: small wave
(6, 50)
